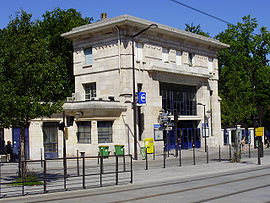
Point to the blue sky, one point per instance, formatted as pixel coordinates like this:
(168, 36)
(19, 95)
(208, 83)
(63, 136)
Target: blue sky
(161, 11)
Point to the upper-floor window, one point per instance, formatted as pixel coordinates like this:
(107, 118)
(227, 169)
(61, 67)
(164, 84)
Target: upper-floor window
(210, 64)
(88, 56)
(190, 59)
(138, 51)
(90, 90)
(84, 131)
(165, 55)
(178, 58)
(104, 131)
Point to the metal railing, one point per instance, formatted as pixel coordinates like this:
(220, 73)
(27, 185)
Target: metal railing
(50, 175)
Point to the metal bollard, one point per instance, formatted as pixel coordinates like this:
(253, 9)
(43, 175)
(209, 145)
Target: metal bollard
(65, 172)
(180, 157)
(44, 176)
(116, 170)
(101, 171)
(131, 170)
(83, 169)
(124, 162)
(219, 153)
(78, 164)
(259, 154)
(41, 157)
(146, 159)
(248, 150)
(194, 161)
(207, 154)
(230, 152)
(164, 157)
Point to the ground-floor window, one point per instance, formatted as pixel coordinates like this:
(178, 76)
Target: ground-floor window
(104, 131)
(84, 131)
(50, 136)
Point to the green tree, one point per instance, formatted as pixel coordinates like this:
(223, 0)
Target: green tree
(244, 73)
(196, 29)
(34, 67)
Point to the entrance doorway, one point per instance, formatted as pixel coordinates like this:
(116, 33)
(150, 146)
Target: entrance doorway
(16, 142)
(50, 139)
(187, 134)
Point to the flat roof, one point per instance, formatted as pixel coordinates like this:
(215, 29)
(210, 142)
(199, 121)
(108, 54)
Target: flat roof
(141, 23)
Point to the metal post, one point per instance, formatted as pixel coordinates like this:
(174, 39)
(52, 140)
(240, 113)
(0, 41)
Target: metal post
(175, 132)
(134, 88)
(259, 154)
(131, 170)
(230, 152)
(116, 170)
(180, 157)
(124, 162)
(101, 171)
(78, 163)
(207, 155)
(134, 102)
(219, 153)
(164, 157)
(204, 127)
(44, 176)
(146, 159)
(83, 169)
(194, 161)
(41, 158)
(64, 152)
(248, 150)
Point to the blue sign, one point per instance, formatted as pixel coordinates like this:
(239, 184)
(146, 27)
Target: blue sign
(157, 126)
(141, 98)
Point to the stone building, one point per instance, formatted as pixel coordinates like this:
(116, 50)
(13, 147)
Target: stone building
(175, 70)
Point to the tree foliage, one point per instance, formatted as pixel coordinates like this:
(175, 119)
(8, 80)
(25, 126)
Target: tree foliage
(196, 29)
(35, 65)
(244, 73)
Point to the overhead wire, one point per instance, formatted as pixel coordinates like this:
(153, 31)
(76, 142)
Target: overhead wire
(200, 11)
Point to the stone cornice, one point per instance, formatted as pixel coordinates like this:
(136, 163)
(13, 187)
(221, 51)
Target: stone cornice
(141, 23)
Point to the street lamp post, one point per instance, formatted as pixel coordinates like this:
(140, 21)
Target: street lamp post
(134, 87)
(204, 115)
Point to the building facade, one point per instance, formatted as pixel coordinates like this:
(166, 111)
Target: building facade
(174, 70)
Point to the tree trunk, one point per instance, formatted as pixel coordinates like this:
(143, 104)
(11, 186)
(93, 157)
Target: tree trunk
(22, 154)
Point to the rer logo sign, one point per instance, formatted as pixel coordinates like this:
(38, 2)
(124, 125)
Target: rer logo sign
(141, 98)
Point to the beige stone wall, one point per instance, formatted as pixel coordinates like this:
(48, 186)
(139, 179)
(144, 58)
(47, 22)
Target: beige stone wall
(112, 72)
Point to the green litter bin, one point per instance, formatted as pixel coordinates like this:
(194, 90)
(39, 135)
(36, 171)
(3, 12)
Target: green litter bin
(119, 150)
(104, 151)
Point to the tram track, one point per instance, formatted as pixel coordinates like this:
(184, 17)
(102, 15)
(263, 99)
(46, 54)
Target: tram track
(201, 187)
(155, 185)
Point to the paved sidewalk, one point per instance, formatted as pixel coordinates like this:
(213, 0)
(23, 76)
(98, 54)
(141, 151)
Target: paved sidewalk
(157, 174)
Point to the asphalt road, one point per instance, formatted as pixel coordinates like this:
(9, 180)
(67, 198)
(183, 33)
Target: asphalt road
(245, 185)
(214, 182)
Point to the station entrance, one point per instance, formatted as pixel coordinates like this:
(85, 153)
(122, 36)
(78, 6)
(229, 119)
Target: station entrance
(183, 137)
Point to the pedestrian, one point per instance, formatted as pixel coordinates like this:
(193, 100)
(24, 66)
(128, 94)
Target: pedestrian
(9, 151)
(243, 143)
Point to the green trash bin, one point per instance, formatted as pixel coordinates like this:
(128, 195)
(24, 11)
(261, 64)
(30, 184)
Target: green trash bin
(119, 150)
(104, 151)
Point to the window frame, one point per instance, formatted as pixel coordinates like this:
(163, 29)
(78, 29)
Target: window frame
(83, 133)
(88, 56)
(102, 130)
(90, 91)
(165, 54)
